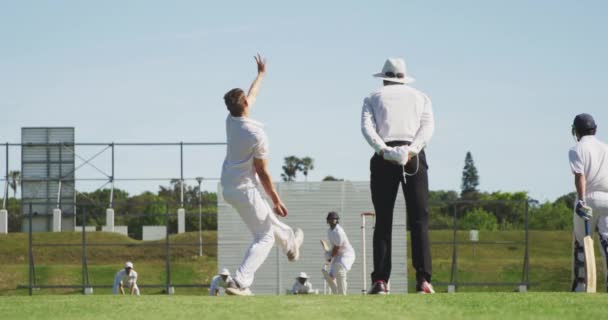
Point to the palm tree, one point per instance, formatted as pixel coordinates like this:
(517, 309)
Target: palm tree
(290, 168)
(14, 181)
(308, 164)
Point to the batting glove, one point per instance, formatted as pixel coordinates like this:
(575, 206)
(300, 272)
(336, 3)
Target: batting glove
(583, 211)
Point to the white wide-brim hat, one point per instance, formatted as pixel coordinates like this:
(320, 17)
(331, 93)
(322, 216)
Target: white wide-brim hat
(224, 272)
(303, 275)
(129, 264)
(394, 70)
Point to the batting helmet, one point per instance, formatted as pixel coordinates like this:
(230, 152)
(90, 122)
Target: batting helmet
(583, 122)
(333, 215)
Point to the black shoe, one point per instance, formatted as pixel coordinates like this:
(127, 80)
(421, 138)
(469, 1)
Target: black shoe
(379, 287)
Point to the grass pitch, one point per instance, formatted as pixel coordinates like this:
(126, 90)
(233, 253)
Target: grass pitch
(412, 306)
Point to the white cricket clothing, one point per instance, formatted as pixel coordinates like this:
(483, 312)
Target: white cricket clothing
(299, 288)
(245, 140)
(265, 228)
(337, 281)
(217, 282)
(397, 113)
(599, 222)
(590, 157)
(122, 277)
(346, 253)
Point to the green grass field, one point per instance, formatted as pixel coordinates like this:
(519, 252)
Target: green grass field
(550, 255)
(411, 306)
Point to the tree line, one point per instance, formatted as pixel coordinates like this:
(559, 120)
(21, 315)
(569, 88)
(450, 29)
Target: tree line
(473, 209)
(134, 211)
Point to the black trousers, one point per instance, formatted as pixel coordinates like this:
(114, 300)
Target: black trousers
(384, 183)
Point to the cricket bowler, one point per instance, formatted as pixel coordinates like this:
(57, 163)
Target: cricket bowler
(340, 256)
(243, 171)
(589, 164)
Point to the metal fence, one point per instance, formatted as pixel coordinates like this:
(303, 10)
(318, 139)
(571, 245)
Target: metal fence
(514, 238)
(309, 202)
(96, 168)
(162, 251)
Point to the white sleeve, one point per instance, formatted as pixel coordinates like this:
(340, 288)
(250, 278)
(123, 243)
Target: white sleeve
(117, 279)
(576, 163)
(368, 127)
(341, 237)
(427, 127)
(260, 148)
(213, 286)
(295, 288)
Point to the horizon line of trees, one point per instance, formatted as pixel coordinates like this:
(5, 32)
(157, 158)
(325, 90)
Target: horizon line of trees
(474, 209)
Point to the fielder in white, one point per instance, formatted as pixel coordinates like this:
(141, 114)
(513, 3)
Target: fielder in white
(128, 275)
(341, 256)
(302, 285)
(245, 163)
(589, 164)
(220, 281)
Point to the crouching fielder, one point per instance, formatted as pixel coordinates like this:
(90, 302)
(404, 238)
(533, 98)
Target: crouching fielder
(589, 164)
(341, 256)
(129, 276)
(221, 280)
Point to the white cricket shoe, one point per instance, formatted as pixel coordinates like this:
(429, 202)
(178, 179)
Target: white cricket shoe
(294, 255)
(426, 288)
(238, 292)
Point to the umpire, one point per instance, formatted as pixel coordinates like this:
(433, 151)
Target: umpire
(397, 122)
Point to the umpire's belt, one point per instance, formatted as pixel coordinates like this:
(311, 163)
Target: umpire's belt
(398, 143)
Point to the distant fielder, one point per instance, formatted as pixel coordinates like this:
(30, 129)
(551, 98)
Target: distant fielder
(340, 255)
(221, 280)
(589, 164)
(302, 285)
(129, 276)
(245, 163)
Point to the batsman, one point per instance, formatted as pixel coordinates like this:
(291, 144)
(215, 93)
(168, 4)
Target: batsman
(589, 164)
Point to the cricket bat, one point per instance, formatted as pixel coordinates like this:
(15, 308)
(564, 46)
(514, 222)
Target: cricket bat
(326, 246)
(590, 271)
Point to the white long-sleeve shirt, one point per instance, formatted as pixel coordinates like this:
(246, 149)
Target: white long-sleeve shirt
(217, 282)
(121, 277)
(299, 288)
(397, 113)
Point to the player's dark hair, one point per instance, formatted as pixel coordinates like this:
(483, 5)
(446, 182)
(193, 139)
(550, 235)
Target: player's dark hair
(235, 101)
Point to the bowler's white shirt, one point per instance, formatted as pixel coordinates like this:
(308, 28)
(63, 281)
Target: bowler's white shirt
(346, 253)
(217, 282)
(299, 288)
(246, 140)
(590, 157)
(397, 113)
(122, 277)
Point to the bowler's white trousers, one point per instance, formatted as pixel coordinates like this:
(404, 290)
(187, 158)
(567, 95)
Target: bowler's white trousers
(264, 226)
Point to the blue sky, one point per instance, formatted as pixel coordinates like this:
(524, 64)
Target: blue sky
(506, 79)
